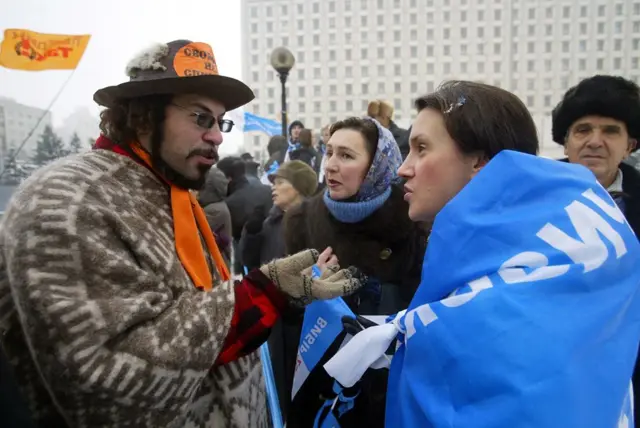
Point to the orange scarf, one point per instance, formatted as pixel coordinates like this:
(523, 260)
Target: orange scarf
(189, 221)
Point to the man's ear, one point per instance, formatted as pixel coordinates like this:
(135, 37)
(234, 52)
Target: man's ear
(633, 143)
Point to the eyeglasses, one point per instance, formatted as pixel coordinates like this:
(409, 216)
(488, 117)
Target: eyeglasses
(207, 120)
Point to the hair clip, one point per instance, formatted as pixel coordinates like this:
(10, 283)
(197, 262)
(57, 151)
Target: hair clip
(460, 103)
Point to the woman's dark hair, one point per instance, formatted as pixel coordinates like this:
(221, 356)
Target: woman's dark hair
(123, 122)
(277, 143)
(365, 127)
(306, 138)
(483, 118)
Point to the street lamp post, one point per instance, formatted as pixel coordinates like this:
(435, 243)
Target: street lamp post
(282, 60)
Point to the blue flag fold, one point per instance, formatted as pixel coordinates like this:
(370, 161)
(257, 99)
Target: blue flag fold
(528, 313)
(253, 122)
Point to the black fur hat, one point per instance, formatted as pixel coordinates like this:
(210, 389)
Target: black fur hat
(607, 96)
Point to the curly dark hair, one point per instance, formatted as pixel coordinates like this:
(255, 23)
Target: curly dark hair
(123, 122)
(365, 127)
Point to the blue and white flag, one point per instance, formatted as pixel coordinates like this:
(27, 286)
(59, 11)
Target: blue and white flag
(528, 313)
(321, 327)
(254, 122)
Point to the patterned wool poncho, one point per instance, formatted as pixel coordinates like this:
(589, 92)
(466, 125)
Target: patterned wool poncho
(101, 322)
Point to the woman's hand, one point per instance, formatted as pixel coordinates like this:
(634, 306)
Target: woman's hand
(327, 261)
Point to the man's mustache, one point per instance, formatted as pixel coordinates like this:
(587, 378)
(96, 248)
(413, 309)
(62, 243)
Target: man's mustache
(204, 152)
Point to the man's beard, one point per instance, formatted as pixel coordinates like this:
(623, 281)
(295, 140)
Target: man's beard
(170, 174)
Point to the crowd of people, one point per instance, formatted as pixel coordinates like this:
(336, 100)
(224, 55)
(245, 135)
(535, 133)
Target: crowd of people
(138, 280)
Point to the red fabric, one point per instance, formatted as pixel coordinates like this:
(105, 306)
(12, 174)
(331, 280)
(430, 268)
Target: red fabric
(259, 302)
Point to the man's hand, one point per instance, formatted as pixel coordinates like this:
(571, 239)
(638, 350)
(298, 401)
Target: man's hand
(294, 275)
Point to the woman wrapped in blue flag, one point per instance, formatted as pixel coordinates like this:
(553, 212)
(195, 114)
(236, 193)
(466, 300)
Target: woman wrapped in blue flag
(528, 312)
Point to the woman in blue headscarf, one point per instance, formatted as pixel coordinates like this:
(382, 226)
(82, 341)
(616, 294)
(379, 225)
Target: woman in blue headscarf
(363, 217)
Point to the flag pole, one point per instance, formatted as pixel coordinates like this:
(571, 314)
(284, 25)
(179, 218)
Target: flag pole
(47, 111)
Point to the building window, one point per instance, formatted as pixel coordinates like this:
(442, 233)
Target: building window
(617, 27)
(348, 89)
(530, 101)
(617, 63)
(566, 12)
(349, 106)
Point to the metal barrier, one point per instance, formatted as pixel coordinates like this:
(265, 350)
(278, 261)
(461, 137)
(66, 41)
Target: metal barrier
(270, 381)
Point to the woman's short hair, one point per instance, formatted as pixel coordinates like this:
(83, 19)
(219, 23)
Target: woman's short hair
(276, 144)
(483, 118)
(365, 127)
(306, 138)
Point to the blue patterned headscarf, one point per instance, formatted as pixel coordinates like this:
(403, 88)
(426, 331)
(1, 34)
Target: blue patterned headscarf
(385, 165)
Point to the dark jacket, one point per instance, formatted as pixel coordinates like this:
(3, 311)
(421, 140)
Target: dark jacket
(267, 244)
(389, 248)
(277, 156)
(402, 138)
(631, 198)
(243, 198)
(211, 198)
(307, 155)
(257, 249)
(391, 254)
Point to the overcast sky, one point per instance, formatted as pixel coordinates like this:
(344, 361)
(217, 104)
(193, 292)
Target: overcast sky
(119, 29)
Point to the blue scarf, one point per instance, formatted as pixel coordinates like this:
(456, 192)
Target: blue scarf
(354, 212)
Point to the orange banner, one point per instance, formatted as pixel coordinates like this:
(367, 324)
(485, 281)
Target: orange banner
(31, 51)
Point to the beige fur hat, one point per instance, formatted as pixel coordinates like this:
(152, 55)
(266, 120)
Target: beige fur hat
(178, 67)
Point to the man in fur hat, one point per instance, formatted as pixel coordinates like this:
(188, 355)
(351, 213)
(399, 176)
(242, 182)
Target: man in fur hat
(116, 306)
(598, 123)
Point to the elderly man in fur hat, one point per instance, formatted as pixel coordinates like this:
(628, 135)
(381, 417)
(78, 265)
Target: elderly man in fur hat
(598, 123)
(116, 307)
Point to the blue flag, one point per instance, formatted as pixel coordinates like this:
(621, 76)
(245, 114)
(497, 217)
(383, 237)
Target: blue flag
(528, 313)
(321, 326)
(254, 122)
